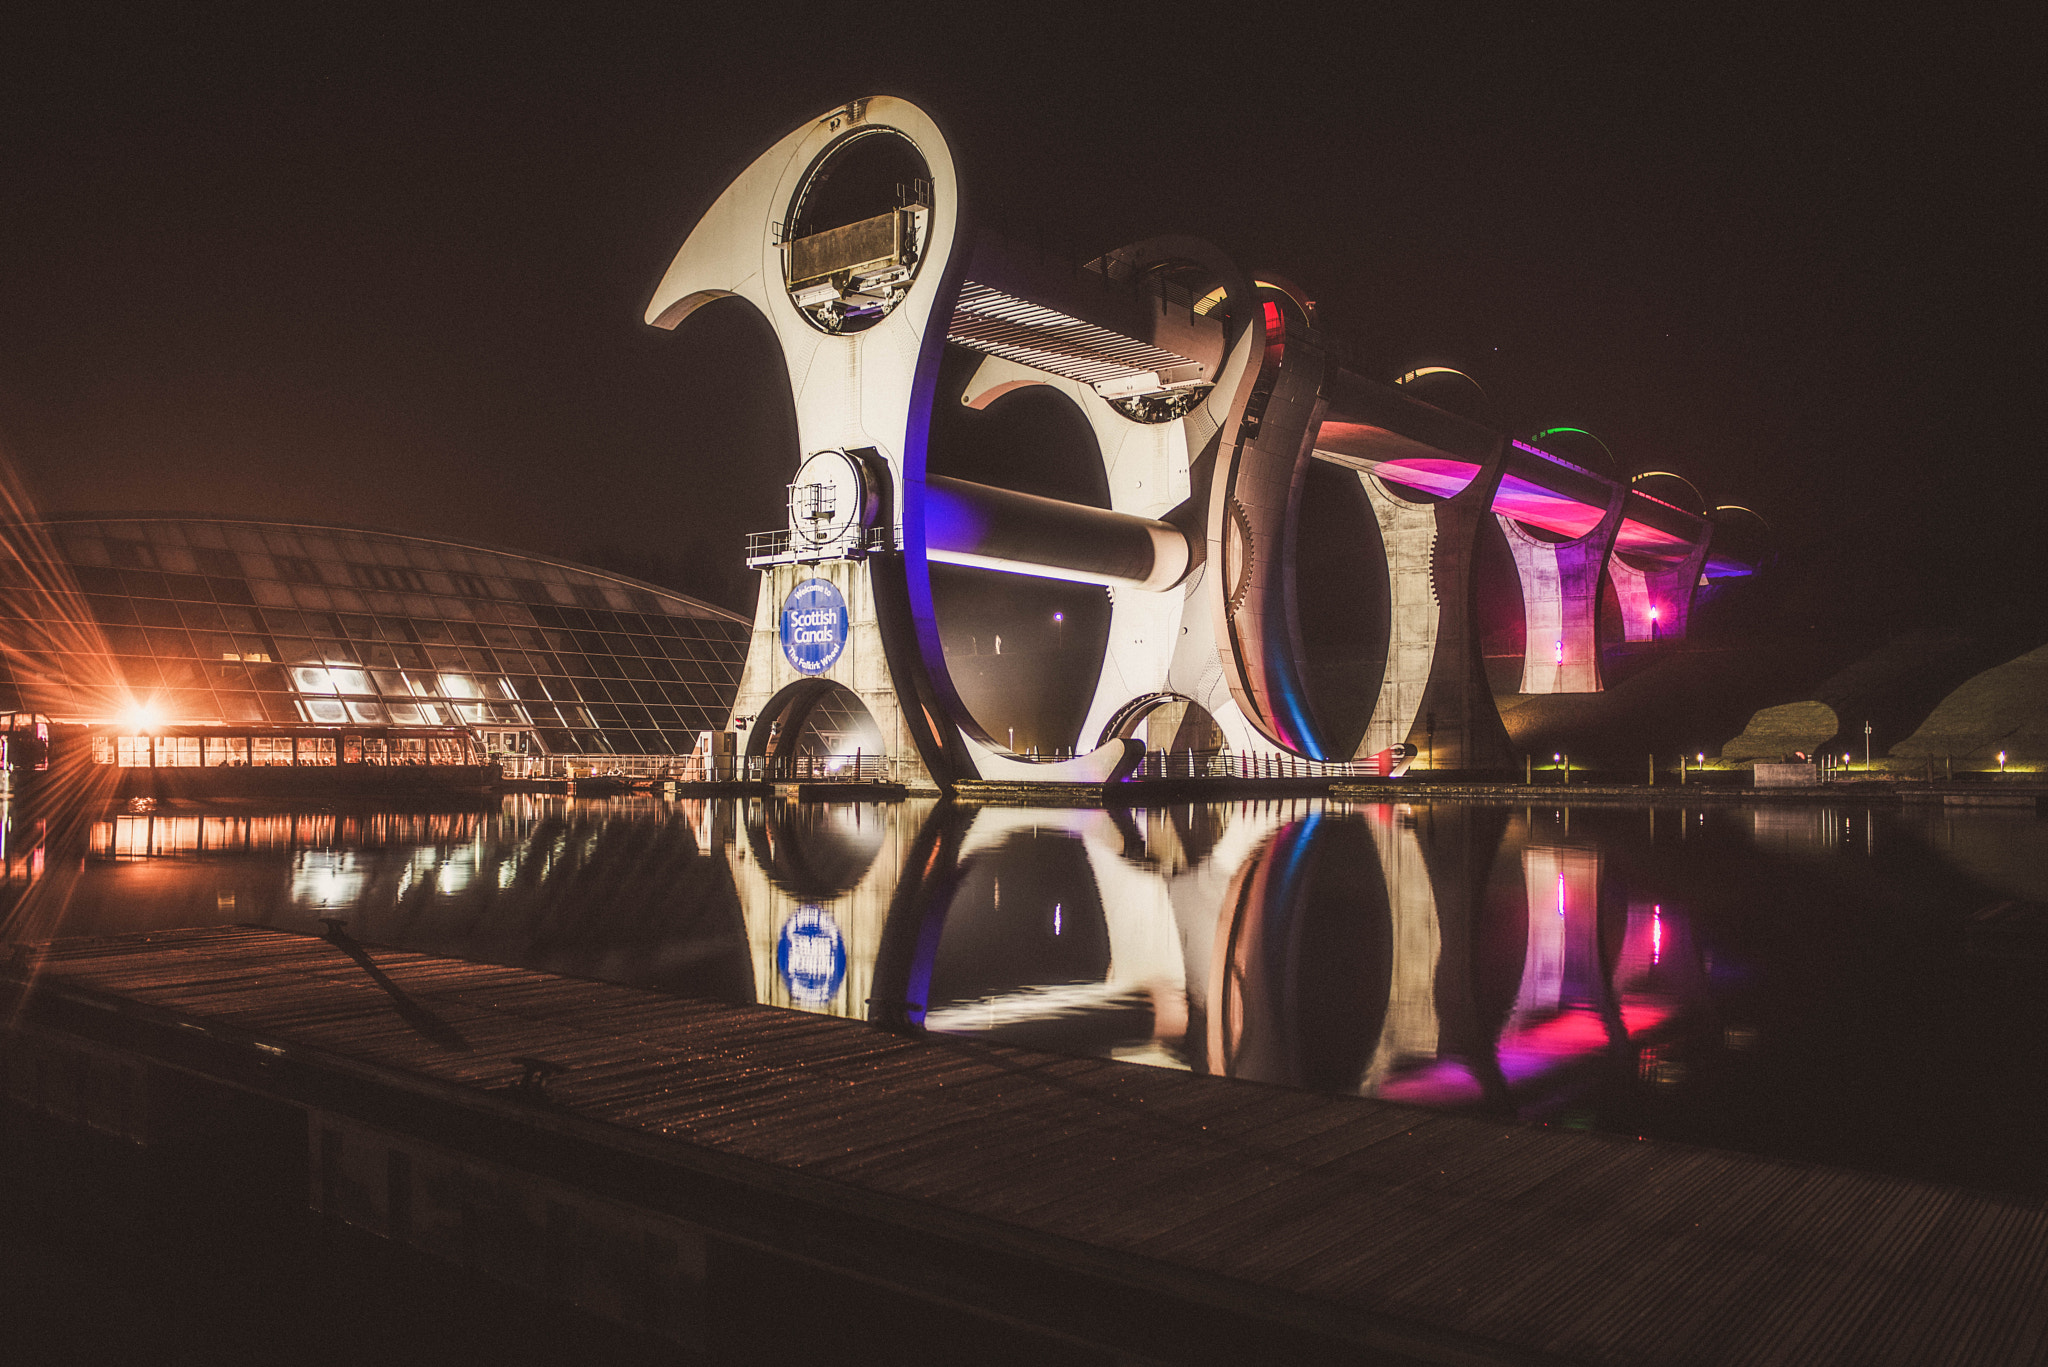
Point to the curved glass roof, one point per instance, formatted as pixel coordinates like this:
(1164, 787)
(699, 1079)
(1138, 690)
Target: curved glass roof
(220, 621)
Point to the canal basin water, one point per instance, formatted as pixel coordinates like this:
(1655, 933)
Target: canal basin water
(1847, 984)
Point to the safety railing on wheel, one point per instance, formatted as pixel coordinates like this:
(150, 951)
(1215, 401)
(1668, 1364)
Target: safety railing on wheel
(1168, 764)
(854, 768)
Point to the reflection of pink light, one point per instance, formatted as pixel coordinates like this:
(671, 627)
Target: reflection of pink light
(1537, 1049)
(1523, 1054)
(1640, 1014)
(1560, 894)
(1656, 934)
(1442, 1082)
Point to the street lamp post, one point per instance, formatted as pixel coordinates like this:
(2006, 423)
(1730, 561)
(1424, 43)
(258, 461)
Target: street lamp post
(1866, 745)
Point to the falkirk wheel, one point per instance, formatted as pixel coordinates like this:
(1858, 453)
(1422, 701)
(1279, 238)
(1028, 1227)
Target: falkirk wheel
(1209, 394)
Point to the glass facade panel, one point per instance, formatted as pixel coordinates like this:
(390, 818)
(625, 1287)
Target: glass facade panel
(227, 751)
(177, 752)
(312, 680)
(225, 623)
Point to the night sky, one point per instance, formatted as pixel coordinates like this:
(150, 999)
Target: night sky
(360, 266)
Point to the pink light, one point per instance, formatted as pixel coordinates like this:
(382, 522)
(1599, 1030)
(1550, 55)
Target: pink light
(1537, 506)
(1643, 540)
(1653, 614)
(1560, 650)
(1656, 933)
(1560, 894)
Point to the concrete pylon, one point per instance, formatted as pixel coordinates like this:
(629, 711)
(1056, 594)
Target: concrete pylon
(1656, 603)
(1434, 694)
(856, 391)
(1561, 602)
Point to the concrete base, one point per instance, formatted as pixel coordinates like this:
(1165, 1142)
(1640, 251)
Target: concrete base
(840, 792)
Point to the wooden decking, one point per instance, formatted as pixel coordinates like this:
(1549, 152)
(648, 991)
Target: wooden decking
(1343, 1227)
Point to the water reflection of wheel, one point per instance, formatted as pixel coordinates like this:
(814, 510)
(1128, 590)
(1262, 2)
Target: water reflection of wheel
(1301, 976)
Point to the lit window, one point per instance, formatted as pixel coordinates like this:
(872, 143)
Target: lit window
(316, 750)
(323, 710)
(227, 751)
(177, 752)
(312, 680)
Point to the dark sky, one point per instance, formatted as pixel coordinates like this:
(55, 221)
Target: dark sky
(362, 266)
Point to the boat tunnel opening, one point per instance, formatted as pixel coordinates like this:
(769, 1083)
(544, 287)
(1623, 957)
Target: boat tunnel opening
(816, 724)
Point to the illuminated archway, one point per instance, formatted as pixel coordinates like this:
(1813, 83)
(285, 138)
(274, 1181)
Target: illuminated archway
(814, 724)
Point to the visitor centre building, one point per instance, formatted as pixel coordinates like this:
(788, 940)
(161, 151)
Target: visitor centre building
(163, 641)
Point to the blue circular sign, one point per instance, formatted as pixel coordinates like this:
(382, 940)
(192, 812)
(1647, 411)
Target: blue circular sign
(813, 625)
(810, 955)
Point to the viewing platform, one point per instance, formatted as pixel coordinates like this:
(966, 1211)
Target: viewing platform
(607, 1145)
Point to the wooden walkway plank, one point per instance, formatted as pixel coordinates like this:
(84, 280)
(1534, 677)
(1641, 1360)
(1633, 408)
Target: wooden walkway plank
(1584, 1246)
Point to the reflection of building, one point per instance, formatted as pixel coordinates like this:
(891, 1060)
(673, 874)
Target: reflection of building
(197, 642)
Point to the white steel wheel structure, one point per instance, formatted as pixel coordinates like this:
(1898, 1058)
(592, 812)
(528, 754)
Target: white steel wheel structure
(1209, 395)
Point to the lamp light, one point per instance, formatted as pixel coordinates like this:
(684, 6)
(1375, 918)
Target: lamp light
(141, 716)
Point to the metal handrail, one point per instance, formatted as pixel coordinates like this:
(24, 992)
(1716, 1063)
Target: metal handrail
(781, 545)
(1171, 764)
(858, 767)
